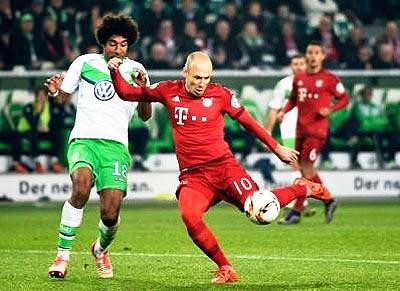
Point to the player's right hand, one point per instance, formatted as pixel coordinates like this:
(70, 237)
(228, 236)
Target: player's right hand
(139, 77)
(114, 63)
(324, 111)
(280, 116)
(54, 82)
(286, 155)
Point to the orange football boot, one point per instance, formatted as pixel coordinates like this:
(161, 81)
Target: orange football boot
(103, 263)
(225, 274)
(318, 191)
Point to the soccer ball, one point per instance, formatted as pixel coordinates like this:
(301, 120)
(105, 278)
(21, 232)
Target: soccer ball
(262, 207)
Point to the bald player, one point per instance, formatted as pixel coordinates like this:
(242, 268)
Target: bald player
(209, 172)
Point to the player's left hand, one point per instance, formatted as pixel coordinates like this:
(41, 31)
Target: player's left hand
(324, 111)
(286, 155)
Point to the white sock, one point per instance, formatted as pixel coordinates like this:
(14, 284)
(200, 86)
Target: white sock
(71, 219)
(106, 235)
(64, 254)
(98, 250)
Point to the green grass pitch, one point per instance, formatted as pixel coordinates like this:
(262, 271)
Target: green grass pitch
(360, 250)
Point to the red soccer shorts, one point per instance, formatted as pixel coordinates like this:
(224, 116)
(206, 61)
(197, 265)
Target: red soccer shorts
(309, 148)
(221, 180)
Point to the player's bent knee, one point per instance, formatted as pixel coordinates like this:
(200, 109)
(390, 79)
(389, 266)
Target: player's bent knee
(262, 207)
(109, 216)
(190, 217)
(187, 215)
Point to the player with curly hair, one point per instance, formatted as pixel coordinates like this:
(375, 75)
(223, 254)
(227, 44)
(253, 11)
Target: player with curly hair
(98, 147)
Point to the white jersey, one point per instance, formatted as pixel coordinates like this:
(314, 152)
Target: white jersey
(282, 92)
(100, 113)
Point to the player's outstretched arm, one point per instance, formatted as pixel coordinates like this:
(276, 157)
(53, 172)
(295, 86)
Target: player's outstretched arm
(252, 126)
(124, 90)
(286, 155)
(53, 85)
(127, 91)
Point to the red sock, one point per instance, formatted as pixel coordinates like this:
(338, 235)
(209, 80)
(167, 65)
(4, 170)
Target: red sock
(192, 206)
(206, 241)
(287, 194)
(299, 205)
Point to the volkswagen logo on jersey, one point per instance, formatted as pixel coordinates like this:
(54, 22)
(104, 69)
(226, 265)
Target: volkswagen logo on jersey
(104, 90)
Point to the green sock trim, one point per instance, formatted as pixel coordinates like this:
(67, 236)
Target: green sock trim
(107, 235)
(66, 236)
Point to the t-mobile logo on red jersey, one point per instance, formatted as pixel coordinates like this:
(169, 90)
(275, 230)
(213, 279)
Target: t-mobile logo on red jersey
(304, 93)
(181, 114)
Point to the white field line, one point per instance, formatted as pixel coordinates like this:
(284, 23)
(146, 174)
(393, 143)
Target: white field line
(244, 257)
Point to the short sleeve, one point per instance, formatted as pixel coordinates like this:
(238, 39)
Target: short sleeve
(337, 88)
(71, 80)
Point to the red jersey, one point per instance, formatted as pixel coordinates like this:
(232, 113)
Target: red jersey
(197, 122)
(310, 93)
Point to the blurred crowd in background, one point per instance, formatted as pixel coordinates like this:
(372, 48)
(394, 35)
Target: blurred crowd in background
(237, 34)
